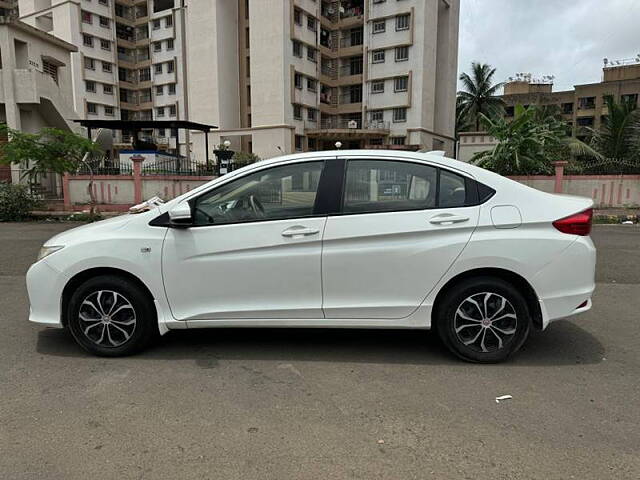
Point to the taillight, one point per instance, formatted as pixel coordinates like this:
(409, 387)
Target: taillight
(577, 224)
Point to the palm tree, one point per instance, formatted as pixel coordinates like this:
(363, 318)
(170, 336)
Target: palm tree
(617, 137)
(529, 143)
(478, 96)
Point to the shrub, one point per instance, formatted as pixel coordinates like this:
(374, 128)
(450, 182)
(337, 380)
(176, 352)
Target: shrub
(240, 159)
(16, 203)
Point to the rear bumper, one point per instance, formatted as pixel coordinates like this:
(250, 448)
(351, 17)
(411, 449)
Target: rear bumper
(565, 284)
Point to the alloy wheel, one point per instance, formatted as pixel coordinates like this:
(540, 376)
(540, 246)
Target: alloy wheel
(485, 322)
(107, 318)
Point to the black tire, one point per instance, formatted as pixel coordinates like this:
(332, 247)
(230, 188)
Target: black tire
(460, 319)
(120, 336)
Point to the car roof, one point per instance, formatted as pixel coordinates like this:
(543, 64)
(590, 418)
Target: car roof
(430, 157)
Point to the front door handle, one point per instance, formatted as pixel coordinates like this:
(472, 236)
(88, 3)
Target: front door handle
(448, 219)
(298, 231)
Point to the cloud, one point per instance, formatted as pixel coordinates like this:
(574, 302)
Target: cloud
(564, 38)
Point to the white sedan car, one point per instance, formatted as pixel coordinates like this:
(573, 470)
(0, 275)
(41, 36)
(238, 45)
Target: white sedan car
(355, 239)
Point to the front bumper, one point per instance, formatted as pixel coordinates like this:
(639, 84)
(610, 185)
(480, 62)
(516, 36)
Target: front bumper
(44, 286)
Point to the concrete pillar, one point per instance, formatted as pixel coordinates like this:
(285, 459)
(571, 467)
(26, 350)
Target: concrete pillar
(559, 166)
(137, 177)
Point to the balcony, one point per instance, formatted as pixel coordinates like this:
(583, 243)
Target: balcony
(337, 128)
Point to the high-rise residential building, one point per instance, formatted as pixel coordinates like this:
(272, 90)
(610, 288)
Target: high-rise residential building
(130, 59)
(276, 76)
(297, 75)
(584, 107)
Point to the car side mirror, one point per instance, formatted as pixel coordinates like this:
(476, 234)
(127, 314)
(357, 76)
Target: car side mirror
(180, 215)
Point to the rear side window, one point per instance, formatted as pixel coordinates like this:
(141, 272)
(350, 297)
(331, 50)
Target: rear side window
(383, 186)
(453, 190)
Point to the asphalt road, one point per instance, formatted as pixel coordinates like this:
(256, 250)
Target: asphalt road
(317, 404)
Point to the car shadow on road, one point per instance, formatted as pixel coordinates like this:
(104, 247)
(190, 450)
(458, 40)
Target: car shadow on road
(564, 343)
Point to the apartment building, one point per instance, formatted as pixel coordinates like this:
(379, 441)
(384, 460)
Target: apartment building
(583, 107)
(297, 75)
(130, 60)
(35, 87)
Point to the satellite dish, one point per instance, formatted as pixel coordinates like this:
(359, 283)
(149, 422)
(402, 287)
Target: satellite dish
(104, 140)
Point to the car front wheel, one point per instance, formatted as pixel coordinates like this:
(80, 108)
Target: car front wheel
(111, 316)
(483, 319)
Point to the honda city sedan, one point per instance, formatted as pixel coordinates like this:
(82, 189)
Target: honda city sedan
(348, 239)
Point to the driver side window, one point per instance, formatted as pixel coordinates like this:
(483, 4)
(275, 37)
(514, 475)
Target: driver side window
(276, 193)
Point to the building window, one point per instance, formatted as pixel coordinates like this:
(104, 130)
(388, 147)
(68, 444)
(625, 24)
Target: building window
(377, 56)
(297, 80)
(172, 89)
(297, 112)
(377, 86)
(509, 111)
(105, 44)
(144, 74)
(86, 17)
(586, 103)
(631, 98)
(160, 111)
(379, 26)
(398, 140)
(311, 114)
(311, 23)
(92, 108)
(90, 86)
(400, 84)
(162, 132)
(376, 115)
(107, 67)
(170, 44)
(108, 110)
(567, 108)
(157, 46)
(104, 22)
(299, 143)
(156, 24)
(311, 85)
(159, 90)
(402, 22)
(103, 2)
(87, 40)
(168, 21)
(297, 49)
(50, 69)
(402, 54)
(157, 68)
(311, 54)
(400, 115)
(172, 110)
(311, 143)
(297, 16)
(170, 66)
(584, 121)
(107, 89)
(89, 63)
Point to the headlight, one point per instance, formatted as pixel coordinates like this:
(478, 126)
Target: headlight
(48, 250)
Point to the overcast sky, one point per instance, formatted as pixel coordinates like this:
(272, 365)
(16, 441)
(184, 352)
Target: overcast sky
(565, 38)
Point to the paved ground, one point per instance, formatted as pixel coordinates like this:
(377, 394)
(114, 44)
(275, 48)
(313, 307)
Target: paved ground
(315, 404)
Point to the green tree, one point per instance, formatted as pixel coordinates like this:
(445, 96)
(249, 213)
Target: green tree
(478, 99)
(619, 134)
(528, 144)
(50, 150)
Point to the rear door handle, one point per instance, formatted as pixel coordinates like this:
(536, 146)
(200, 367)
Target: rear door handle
(299, 231)
(448, 219)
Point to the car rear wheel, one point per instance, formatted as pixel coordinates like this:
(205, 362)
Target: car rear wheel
(111, 316)
(483, 319)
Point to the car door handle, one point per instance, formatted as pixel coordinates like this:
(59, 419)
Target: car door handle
(448, 219)
(299, 231)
